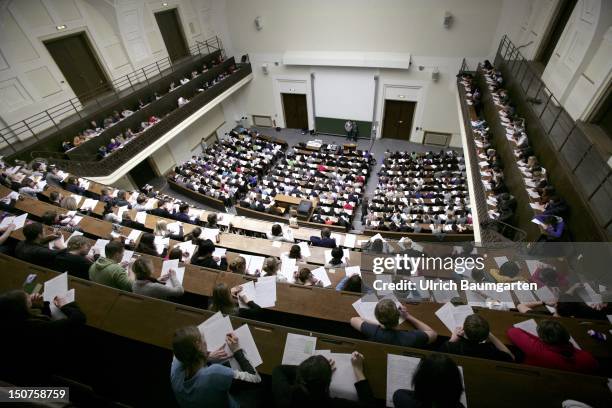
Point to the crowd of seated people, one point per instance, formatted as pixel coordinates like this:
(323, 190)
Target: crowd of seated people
(229, 168)
(335, 179)
(502, 204)
(124, 136)
(552, 208)
(421, 191)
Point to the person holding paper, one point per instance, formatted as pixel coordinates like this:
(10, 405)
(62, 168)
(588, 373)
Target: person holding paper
(161, 230)
(195, 382)
(437, 382)
(177, 253)
(121, 200)
(127, 221)
(29, 188)
(238, 265)
(74, 258)
(551, 348)
(304, 276)
(547, 275)
(60, 222)
(225, 301)
(307, 385)
(34, 248)
(26, 320)
(509, 271)
(296, 253)
(276, 234)
(110, 271)
(203, 256)
(141, 203)
(325, 240)
(336, 260)
(385, 331)
(270, 268)
(182, 214)
(6, 233)
(211, 221)
(167, 286)
(474, 339)
(52, 177)
(146, 245)
(352, 283)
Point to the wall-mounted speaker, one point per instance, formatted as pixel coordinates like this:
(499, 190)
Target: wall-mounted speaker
(264, 69)
(258, 23)
(435, 75)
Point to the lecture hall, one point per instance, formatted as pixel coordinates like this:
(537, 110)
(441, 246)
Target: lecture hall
(285, 203)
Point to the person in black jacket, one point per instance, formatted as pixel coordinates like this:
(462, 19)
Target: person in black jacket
(307, 385)
(436, 382)
(127, 221)
(26, 322)
(161, 210)
(74, 259)
(34, 248)
(474, 339)
(146, 245)
(203, 256)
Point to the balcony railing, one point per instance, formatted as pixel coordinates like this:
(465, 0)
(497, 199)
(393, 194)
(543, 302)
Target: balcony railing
(564, 145)
(109, 164)
(36, 127)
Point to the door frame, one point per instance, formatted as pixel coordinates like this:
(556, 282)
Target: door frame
(97, 54)
(177, 12)
(413, 91)
(292, 84)
(284, 110)
(412, 127)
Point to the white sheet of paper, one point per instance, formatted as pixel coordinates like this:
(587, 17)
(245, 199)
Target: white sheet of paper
(265, 291)
(59, 241)
(377, 236)
(214, 333)
(141, 217)
(304, 249)
(545, 294)
(248, 289)
(74, 234)
(349, 240)
(532, 265)
(343, 378)
(445, 314)
(100, 246)
(400, 370)
(525, 296)
(210, 233)
(133, 236)
(500, 260)
(530, 326)
(276, 244)
(298, 348)
(169, 264)
(288, 267)
(127, 256)
(352, 270)
(321, 275)
(255, 264)
(247, 343)
(180, 275)
(57, 286)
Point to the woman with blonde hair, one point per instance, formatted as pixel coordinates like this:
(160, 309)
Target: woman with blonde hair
(238, 265)
(69, 203)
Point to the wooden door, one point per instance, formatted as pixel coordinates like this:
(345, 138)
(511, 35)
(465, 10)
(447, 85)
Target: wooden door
(76, 59)
(398, 117)
(172, 33)
(295, 110)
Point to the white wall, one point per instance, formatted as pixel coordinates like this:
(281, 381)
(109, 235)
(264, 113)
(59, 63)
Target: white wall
(123, 34)
(408, 26)
(181, 146)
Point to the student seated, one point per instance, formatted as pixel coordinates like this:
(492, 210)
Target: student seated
(385, 331)
(270, 268)
(145, 284)
(161, 230)
(35, 247)
(26, 322)
(336, 261)
(211, 221)
(203, 256)
(325, 241)
(110, 271)
(307, 385)
(350, 283)
(304, 276)
(436, 383)
(475, 340)
(183, 214)
(196, 380)
(74, 259)
(29, 188)
(552, 348)
(177, 253)
(276, 234)
(146, 245)
(225, 301)
(296, 253)
(508, 272)
(238, 265)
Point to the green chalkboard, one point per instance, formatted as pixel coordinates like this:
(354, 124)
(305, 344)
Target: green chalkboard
(333, 126)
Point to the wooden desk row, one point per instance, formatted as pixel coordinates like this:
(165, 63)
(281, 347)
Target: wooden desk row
(153, 321)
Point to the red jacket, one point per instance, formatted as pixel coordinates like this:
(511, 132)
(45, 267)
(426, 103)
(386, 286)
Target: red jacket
(538, 353)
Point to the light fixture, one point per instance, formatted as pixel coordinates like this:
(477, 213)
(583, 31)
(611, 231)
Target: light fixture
(61, 27)
(165, 4)
(401, 96)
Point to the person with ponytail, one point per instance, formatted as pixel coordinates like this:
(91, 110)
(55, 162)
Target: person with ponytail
(196, 377)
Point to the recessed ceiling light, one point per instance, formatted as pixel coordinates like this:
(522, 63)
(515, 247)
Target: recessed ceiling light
(61, 27)
(165, 4)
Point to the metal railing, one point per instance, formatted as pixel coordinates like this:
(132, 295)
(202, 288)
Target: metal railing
(584, 161)
(33, 126)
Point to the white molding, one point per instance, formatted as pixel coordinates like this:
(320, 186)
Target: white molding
(470, 176)
(278, 103)
(417, 119)
(142, 155)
